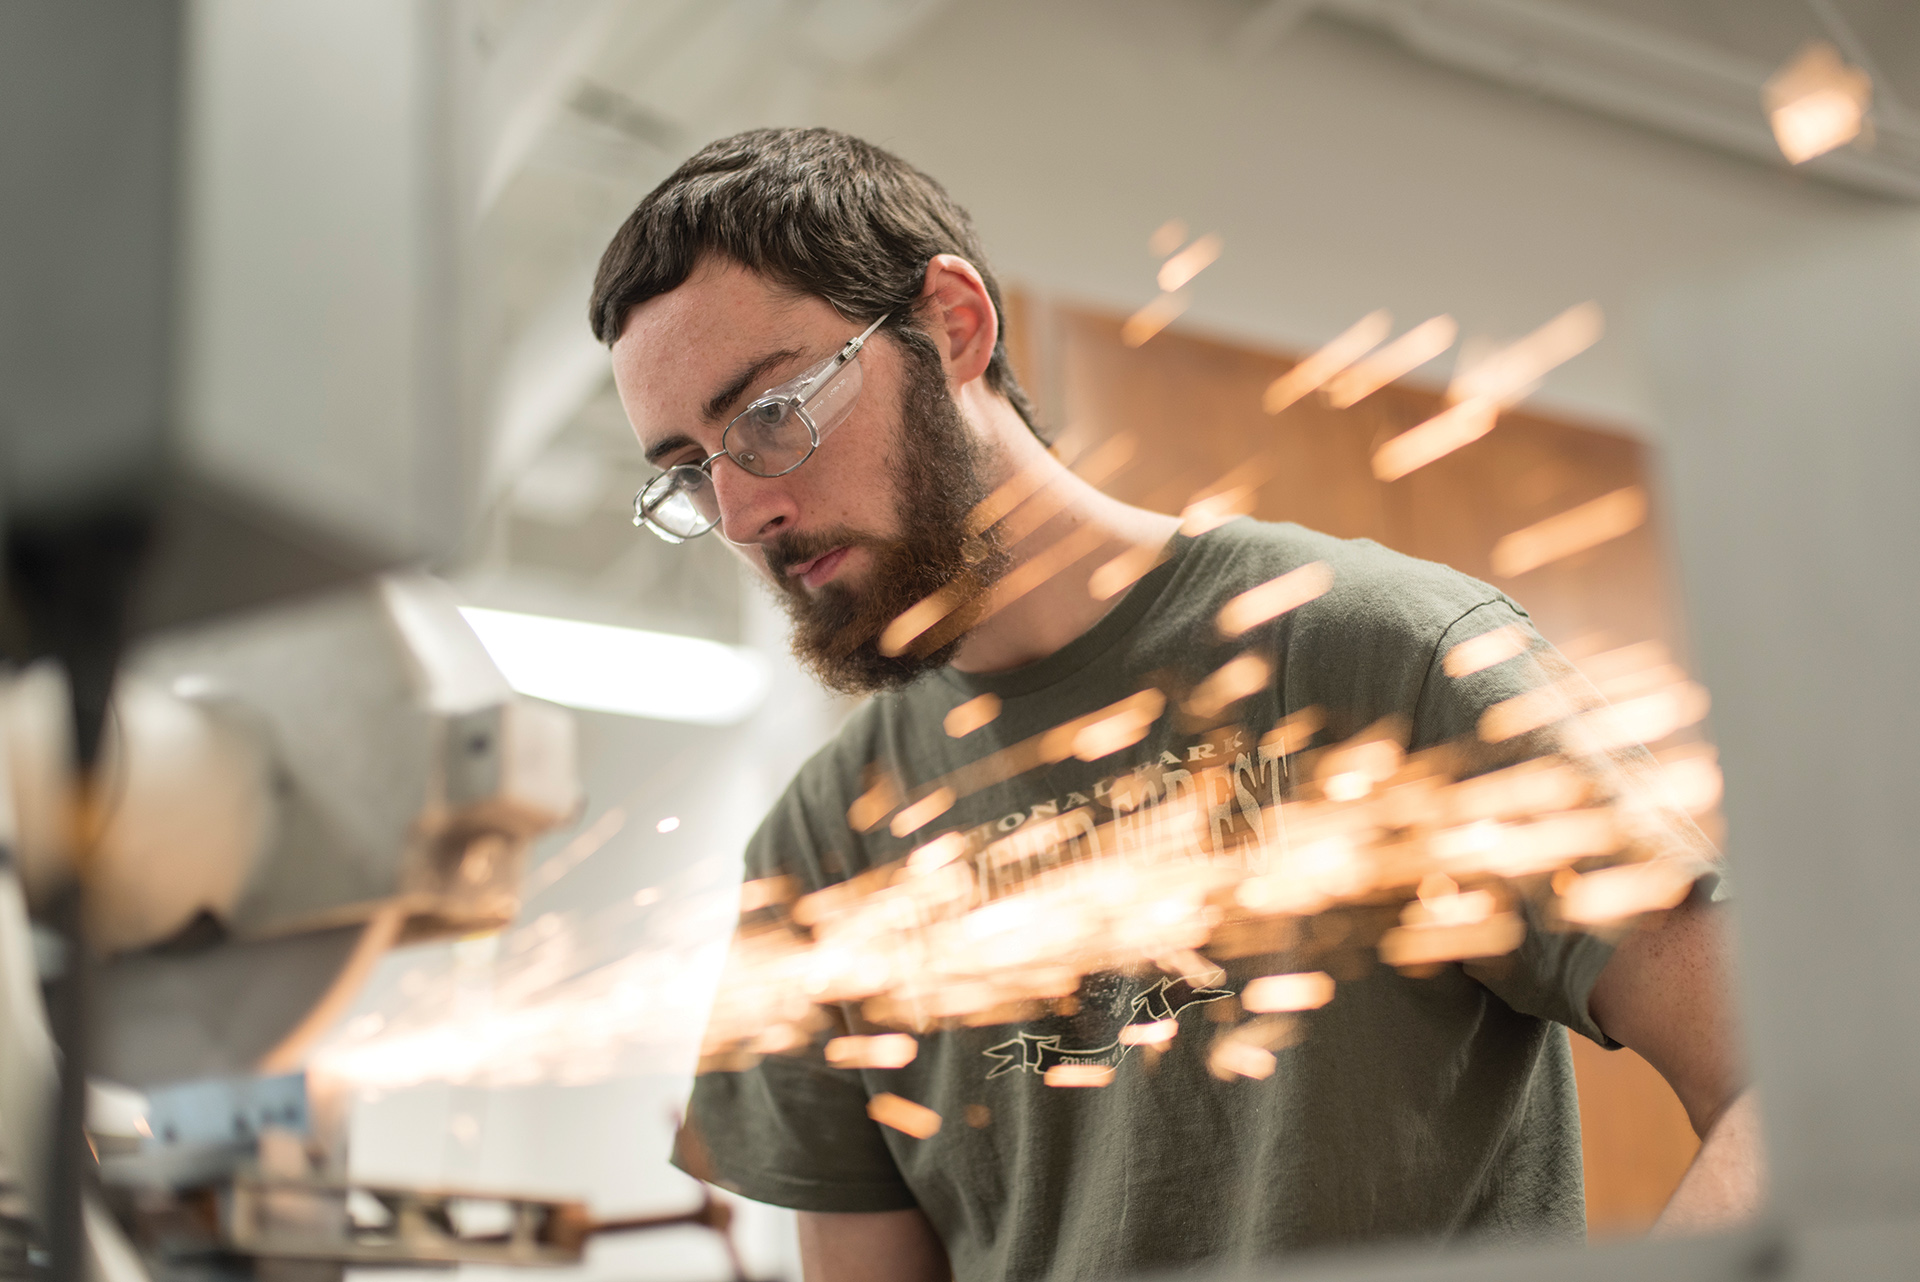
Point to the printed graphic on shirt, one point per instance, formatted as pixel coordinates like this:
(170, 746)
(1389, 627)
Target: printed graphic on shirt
(1108, 1003)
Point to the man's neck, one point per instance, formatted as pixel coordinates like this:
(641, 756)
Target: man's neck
(1059, 536)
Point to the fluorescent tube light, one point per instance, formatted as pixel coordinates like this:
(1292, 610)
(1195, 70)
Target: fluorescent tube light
(622, 670)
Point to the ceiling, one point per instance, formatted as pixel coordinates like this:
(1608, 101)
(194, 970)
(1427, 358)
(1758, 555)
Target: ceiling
(584, 103)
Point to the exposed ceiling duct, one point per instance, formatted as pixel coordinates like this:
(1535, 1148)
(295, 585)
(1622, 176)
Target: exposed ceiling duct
(1607, 56)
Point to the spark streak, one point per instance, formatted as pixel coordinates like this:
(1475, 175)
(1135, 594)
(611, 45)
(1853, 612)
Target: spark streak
(1182, 267)
(1574, 530)
(1399, 358)
(1313, 372)
(1274, 598)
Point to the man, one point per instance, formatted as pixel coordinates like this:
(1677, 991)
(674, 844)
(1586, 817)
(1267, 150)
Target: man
(806, 338)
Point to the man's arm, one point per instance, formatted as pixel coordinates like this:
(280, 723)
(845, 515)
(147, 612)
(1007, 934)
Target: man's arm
(879, 1246)
(1667, 993)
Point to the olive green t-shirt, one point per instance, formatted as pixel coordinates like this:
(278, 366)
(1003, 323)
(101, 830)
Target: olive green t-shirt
(1412, 1109)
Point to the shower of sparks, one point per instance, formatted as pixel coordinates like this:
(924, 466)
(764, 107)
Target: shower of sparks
(1178, 270)
(1396, 360)
(1052, 561)
(1575, 530)
(1018, 507)
(1477, 654)
(1484, 387)
(1313, 372)
(1274, 598)
(1152, 318)
(971, 715)
(975, 930)
(1817, 103)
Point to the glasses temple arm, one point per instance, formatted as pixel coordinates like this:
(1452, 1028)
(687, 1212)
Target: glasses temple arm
(840, 362)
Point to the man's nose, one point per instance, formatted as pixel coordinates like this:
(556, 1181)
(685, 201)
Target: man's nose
(752, 508)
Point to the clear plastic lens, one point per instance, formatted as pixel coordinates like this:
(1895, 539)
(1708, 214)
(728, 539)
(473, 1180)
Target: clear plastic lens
(769, 438)
(678, 504)
(779, 431)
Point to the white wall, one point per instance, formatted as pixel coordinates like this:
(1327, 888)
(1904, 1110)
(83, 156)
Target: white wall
(1343, 174)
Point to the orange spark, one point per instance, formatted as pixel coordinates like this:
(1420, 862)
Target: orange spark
(1042, 566)
(1232, 1059)
(1506, 376)
(1477, 654)
(1648, 718)
(1122, 727)
(1691, 779)
(1613, 894)
(875, 804)
(1099, 464)
(913, 622)
(1534, 710)
(1316, 369)
(1125, 570)
(1008, 495)
(1400, 357)
(923, 812)
(1574, 530)
(1439, 436)
(1167, 237)
(1157, 1033)
(1233, 681)
(904, 1115)
(1189, 262)
(1079, 1075)
(1424, 945)
(764, 893)
(888, 1050)
(1151, 319)
(1293, 733)
(1215, 510)
(1307, 990)
(1274, 598)
(971, 715)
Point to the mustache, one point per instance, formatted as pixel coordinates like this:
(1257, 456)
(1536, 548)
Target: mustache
(793, 549)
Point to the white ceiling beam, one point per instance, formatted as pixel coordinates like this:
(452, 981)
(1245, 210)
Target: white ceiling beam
(1632, 72)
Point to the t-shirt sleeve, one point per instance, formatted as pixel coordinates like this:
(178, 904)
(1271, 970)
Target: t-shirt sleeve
(790, 1130)
(1552, 973)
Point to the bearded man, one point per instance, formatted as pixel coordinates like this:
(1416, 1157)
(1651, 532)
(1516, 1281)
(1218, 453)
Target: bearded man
(807, 340)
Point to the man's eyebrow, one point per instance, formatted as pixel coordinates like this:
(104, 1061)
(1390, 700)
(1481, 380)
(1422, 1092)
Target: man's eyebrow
(672, 445)
(726, 396)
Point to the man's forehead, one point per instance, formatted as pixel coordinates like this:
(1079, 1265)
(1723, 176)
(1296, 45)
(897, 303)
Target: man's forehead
(679, 348)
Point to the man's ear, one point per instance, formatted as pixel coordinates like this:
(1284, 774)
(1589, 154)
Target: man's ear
(961, 317)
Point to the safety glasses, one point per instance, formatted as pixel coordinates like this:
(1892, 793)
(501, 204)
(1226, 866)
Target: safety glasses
(778, 432)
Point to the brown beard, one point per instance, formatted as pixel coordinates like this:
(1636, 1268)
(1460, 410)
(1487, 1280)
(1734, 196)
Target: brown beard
(938, 483)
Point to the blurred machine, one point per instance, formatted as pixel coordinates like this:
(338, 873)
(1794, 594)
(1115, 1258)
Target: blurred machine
(282, 798)
(237, 767)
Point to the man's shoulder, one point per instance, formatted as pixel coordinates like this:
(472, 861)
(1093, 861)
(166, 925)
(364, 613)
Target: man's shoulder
(1369, 588)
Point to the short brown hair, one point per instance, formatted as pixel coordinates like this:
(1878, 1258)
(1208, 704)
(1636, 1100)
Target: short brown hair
(816, 211)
